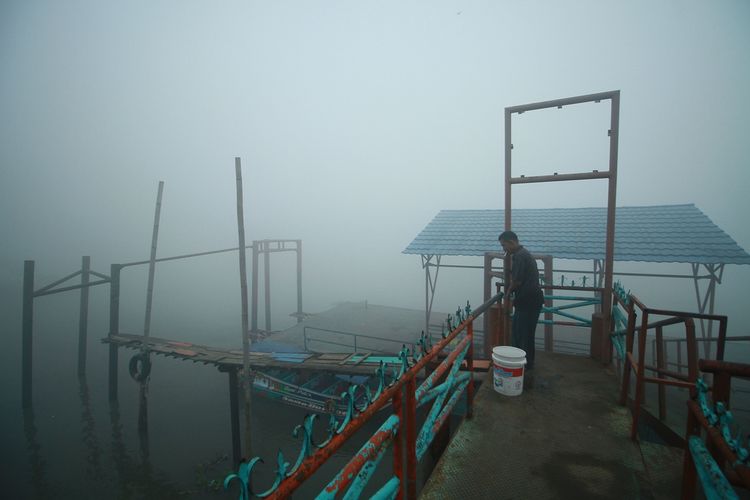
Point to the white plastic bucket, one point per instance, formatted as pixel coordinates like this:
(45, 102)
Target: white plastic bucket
(507, 369)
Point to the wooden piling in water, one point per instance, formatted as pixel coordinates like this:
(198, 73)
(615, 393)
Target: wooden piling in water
(83, 315)
(114, 326)
(234, 416)
(243, 289)
(143, 389)
(27, 332)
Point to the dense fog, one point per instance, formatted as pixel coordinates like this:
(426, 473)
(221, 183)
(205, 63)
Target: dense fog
(356, 124)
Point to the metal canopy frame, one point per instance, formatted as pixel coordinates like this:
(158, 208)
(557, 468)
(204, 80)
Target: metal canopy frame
(430, 283)
(705, 295)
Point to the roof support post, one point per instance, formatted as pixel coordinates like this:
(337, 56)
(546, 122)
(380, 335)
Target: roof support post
(430, 283)
(706, 302)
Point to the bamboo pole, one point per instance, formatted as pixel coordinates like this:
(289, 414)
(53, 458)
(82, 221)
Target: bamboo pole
(152, 261)
(143, 390)
(243, 288)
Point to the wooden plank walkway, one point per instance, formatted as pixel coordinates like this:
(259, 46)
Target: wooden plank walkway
(347, 363)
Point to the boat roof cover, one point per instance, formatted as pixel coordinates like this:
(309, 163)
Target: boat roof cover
(662, 233)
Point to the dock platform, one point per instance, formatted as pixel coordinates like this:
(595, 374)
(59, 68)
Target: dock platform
(345, 363)
(564, 437)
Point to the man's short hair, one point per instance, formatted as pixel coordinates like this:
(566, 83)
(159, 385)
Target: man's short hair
(508, 236)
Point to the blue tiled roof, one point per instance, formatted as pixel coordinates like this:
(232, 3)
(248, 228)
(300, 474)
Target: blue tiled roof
(664, 233)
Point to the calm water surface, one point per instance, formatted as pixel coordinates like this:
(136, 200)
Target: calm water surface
(74, 443)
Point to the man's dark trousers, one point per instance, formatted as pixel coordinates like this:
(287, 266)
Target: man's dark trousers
(522, 333)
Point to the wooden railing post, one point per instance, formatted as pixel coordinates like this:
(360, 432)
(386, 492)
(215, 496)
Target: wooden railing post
(411, 439)
(398, 442)
(660, 365)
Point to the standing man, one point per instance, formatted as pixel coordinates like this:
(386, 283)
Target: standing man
(526, 294)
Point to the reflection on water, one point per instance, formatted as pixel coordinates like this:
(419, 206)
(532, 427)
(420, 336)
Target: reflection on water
(135, 477)
(88, 433)
(36, 462)
(143, 420)
(171, 440)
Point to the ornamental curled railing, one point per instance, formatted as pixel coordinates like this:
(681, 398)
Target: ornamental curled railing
(443, 388)
(721, 459)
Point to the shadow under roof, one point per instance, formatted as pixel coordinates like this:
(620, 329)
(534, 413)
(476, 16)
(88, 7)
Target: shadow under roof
(662, 233)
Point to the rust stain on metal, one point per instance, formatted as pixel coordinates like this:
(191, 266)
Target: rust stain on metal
(367, 453)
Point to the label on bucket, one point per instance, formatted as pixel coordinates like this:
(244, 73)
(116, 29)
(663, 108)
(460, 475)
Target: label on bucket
(508, 380)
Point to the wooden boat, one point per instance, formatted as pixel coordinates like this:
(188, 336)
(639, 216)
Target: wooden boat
(318, 392)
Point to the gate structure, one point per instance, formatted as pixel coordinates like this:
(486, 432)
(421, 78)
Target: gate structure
(603, 352)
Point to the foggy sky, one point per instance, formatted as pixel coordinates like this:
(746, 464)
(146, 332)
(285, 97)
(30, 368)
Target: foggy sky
(356, 123)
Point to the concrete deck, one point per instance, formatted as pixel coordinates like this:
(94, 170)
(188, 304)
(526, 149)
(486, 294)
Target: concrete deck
(565, 437)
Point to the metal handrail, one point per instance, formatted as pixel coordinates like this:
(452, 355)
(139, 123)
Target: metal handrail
(354, 336)
(400, 428)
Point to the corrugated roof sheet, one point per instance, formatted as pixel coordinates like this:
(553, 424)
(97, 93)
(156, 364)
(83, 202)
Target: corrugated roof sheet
(664, 233)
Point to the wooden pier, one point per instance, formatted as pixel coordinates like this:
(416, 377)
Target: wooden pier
(229, 359)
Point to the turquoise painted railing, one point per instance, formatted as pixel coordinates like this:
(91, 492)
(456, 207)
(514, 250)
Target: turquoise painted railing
(443, 387)
(622, 311)
(574, 302)
(726, 451)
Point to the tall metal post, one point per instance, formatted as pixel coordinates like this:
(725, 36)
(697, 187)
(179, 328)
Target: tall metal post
(299, 281)
(83, 316)
(114, 327)
(508, 159)
(426, 296)
(505, 309)
(267, 283)
(609, 257)
(27, 332)
(152, 262)
(246, 382)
